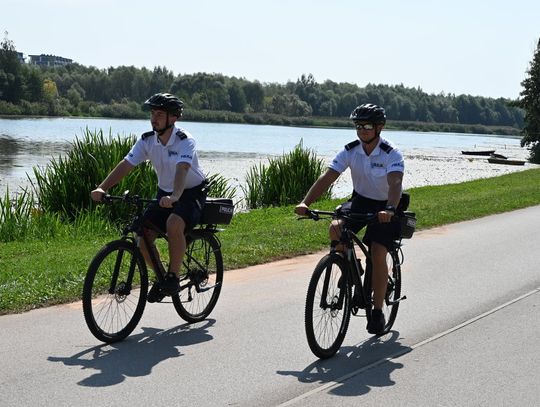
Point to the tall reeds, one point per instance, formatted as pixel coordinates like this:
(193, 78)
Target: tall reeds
(59, 198)
(20, 218)
(285, 180)
(64, 185)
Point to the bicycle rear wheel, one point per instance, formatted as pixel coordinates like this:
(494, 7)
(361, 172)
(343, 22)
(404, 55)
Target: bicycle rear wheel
(201, 277)
(328, 302)
(393, 291)
(114, 293)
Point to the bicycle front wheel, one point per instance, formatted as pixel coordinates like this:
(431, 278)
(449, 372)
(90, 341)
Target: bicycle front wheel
(328, 306)
(114, 293)
(201, 277)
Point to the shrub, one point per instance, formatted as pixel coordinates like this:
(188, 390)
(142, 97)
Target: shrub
(64, 185)
(285, 180)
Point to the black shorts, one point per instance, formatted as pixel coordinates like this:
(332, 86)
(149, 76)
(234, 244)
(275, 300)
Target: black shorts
(382, 233)
(188, 207)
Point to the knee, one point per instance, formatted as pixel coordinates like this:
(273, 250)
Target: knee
(175, 224)
(335, 230)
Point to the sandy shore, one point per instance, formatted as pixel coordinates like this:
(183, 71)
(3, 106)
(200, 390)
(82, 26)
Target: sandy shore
(422, 167)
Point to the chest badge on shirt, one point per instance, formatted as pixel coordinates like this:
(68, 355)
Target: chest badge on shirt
(172, 153)
(377, 165)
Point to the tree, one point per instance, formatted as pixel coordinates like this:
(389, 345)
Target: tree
(530, 102)
(254, 95)
(11, 86)
(34, 84)
(237, 98)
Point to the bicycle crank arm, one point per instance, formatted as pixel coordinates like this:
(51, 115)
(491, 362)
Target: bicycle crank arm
(202, 290)
(396, 301)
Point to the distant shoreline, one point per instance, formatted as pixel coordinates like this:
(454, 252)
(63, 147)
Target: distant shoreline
(213, 116)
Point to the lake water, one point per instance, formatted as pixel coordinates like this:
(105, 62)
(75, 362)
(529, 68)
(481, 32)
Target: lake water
(231, 149)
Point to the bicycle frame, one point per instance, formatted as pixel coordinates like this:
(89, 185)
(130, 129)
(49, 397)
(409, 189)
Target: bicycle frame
(349, 239)
(141, 231)
(340, 286)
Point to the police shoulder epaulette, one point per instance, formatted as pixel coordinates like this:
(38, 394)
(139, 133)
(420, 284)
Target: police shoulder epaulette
(386, 148)
(147, 134)
(352, 144)
(181, 134)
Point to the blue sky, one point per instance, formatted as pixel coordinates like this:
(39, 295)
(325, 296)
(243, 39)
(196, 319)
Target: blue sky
(462, 47)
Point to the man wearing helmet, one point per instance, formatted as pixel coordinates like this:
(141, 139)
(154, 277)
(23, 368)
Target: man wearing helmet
(377, 172)
(181, 181)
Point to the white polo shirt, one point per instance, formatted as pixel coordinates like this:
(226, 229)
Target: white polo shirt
(369, 173)
(164, 158)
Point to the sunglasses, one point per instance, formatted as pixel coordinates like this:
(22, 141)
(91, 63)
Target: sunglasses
(367, 126)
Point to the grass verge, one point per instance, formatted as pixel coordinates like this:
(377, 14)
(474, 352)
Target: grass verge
(37, 273)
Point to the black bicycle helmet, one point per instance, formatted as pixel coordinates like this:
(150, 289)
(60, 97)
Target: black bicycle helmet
(165, 101)
(369, 112)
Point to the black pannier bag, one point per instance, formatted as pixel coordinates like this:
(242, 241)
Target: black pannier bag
(407, 224)
(217, 211)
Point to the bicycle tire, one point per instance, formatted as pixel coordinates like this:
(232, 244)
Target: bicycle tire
(113, 306)
(393, 291)
(201, 277)
(326, 323)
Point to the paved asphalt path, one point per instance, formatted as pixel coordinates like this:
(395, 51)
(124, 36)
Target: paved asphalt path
(468, 334)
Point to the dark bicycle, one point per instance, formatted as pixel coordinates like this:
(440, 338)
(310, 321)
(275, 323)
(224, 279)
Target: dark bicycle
(116, 283)
(340, 286)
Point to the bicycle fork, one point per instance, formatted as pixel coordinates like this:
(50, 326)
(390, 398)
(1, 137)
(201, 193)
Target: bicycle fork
(124, 289)
(336, 303)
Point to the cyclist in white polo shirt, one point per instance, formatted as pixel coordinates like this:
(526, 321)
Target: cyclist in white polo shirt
(181, 181)
(377, 173)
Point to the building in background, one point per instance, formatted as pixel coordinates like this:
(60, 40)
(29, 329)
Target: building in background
(49, 60)
(20, 55)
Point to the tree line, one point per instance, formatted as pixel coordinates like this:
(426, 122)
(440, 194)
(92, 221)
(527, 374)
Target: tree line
(119, 91)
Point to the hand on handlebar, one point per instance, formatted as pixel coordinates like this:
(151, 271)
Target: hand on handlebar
(301, 209)
(97, 194)
(167, 201)
(385, 216)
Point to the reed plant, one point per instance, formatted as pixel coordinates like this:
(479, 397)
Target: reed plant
(285, 180)
(58, 202)
(220, 187)
(64, 185)
(20, 218)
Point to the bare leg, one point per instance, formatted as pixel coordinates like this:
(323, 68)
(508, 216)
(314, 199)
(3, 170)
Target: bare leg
(380, 274)
(335, 234)
(177, 242)
(151, 235)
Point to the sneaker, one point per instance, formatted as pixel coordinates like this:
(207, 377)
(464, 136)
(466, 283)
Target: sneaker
(171, 284)
(377, 322)
(155, 294)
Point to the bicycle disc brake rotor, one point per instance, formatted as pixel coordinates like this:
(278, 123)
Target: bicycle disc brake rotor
(121, 292)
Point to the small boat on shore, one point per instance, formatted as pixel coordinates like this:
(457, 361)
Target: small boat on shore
(494, 160)
(478, 152)
(495, 155)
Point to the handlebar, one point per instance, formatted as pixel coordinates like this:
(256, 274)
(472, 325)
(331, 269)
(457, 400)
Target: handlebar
(131, 199)
(316, 215)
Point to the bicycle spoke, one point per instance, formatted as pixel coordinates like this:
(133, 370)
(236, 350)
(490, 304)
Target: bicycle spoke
(111, 307)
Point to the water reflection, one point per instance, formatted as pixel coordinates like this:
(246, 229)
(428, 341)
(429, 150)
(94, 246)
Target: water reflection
(9, 149)
(19, 156)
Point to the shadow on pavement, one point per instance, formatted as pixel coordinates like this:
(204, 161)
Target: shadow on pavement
(110, 364)
(349, 359)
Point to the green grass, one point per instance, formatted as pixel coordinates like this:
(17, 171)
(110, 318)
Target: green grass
(40, 272)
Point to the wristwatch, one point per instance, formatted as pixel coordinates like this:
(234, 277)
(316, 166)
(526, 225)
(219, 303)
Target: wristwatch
(390, 208)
